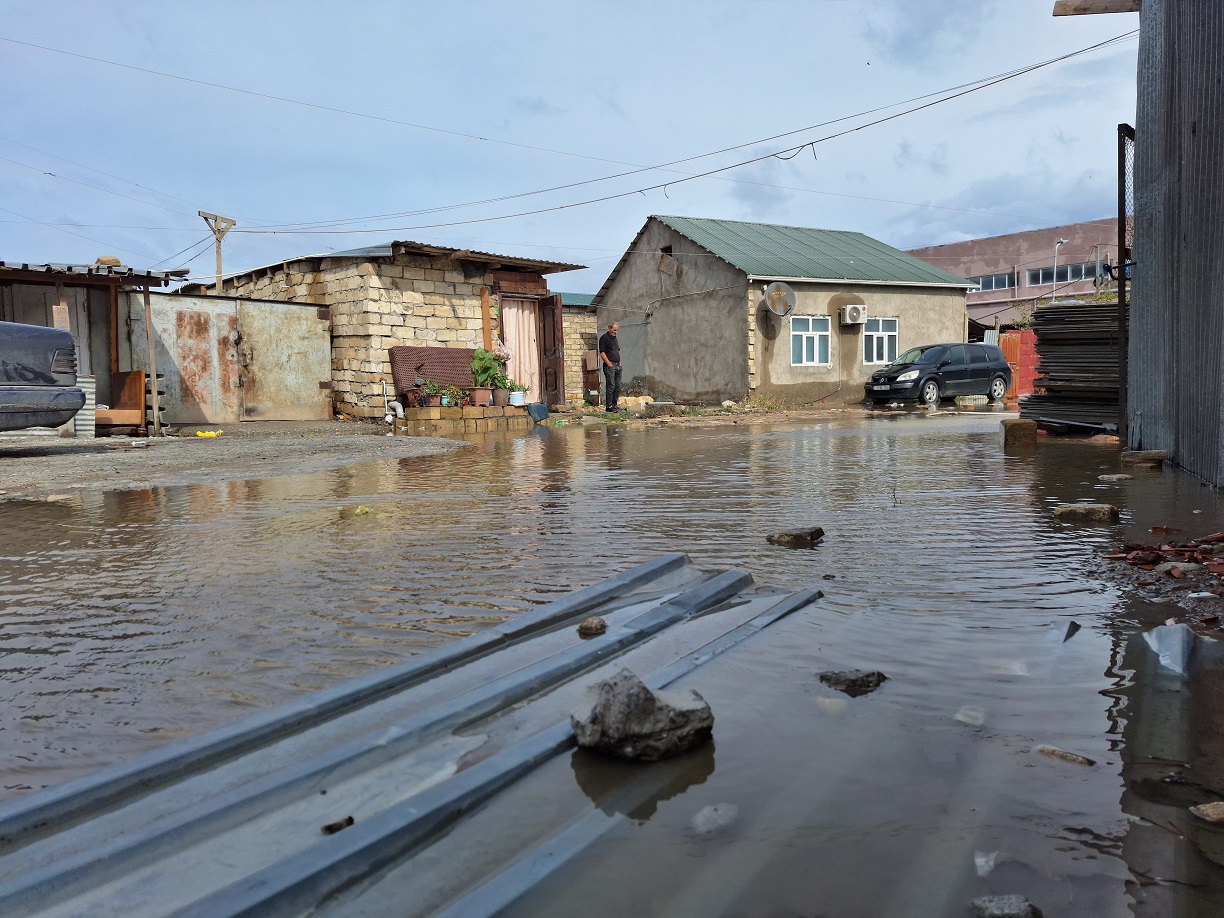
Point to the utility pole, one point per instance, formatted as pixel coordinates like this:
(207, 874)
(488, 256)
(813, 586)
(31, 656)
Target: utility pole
(219, 226)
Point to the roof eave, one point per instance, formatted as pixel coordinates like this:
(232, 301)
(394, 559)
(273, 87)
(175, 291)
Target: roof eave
(854, 280)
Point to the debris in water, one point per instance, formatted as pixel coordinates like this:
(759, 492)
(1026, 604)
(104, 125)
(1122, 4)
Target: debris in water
(1163, 530)
(209, 433)
(854, 682)
(1120, 477)
(972, 715)
(984, 863)
(828, 576)
(796, 538)
(592, 626)
(714, 818)
(1087, 513)
(1063, 756)
(333, 827)
(362, 510)
(1005, 907)
(1172, 644)
(1209, 812)
(623, 717)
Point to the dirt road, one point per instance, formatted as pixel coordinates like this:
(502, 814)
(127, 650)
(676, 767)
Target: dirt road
(39, 467)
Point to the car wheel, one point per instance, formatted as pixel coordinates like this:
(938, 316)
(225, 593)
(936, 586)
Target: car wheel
(998, 389)
(930, 392)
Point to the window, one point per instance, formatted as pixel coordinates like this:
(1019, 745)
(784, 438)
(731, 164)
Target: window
(956, 356)
(978, 354)
(993, 282)
(809, 341)
(880, 341)
(1067, 274)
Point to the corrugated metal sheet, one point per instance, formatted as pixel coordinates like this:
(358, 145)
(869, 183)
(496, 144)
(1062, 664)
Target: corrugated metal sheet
(1177, 317)
(769, 250)
(92, 270)
(83, 420)
(576, 299)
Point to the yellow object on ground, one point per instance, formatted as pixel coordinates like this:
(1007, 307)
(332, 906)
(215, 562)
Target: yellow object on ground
(209, 433)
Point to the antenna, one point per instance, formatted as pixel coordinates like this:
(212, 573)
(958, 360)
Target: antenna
(780, 298)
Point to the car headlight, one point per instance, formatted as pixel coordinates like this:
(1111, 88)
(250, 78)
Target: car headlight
(907, 376)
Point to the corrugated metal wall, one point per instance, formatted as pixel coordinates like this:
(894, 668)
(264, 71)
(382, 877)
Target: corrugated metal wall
(1177, 313)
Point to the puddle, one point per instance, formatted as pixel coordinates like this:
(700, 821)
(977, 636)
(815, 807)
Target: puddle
(130, 618)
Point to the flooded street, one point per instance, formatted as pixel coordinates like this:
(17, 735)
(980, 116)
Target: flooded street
(129, 619)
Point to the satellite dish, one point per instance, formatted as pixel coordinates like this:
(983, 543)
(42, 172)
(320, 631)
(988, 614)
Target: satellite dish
(780, 298)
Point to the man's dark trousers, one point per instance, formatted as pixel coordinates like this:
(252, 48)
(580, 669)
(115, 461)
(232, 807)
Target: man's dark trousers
(612, 381)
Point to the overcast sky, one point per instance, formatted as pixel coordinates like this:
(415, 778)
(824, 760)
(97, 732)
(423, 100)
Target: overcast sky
(453, 103)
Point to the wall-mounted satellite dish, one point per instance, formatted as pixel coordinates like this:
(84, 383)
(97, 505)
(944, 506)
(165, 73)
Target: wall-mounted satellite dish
(780, 298)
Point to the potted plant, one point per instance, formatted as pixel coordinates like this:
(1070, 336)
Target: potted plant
(433, 392)
(501, 389)
(485, 367)
(518, 394)
(453, 396)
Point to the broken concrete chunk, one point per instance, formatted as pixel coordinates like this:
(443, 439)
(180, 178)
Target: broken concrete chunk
(1151, 458)
(854, 682)
(592, 626)
(796, 538)
(1209, 812)
(1063, 756)
(1019, 433)
(623, 717)
(1118, 477)
(1005, 907)
(1087, 513)
(1186, 567)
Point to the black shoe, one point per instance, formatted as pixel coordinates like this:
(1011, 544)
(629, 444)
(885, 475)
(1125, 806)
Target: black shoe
(613, 410)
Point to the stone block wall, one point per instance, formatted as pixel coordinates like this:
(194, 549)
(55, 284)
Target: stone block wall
(580, 336)
(377, 304)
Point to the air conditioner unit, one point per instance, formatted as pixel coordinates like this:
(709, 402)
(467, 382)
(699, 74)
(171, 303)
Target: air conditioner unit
(852, 315)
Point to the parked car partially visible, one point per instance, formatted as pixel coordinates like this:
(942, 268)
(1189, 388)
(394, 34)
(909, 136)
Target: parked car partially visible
(37, 377)
(938, 371)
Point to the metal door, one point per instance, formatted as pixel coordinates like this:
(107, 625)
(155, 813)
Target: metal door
(552, 352)
(285, 353)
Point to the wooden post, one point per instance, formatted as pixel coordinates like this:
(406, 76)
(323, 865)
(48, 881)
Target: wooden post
(148, 312)
(59, 312)
(486, 317)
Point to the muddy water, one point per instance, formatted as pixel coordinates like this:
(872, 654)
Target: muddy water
(129, 619)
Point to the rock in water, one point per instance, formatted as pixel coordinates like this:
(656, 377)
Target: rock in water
(854, 682)
(1210, 812)
(796, 538)
(713, 819)
(1087, 513)
(623, 717)
(1005, 907)
(592, 627)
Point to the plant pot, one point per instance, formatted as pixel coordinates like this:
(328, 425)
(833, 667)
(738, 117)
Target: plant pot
(481, 396)
(501, 397)
(518, 399)
(433, 401)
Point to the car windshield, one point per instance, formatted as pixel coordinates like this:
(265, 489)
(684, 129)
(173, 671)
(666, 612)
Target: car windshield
(921, 355)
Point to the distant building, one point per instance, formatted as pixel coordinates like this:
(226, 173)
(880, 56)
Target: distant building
(578, 320)
(689, 296)
(1018, 268)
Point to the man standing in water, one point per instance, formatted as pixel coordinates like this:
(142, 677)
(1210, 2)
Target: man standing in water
(609, 356)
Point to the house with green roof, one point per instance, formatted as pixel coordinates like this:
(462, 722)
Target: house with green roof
(689, 296)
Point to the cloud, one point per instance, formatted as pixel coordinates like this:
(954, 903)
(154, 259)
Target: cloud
(537, 105)
(907, 156)
(913, 32)
(755, 193)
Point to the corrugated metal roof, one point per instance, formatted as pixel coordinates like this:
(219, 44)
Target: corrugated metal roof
(576, 299)
(770, 250)
(92, 270)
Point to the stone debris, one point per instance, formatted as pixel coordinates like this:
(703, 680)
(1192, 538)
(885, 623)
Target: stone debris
(1149, 458)
(727, 403)
(796, 538)
(623, 717)
(972, 715)
(1019, 433)
(854, 682)
(1063, 756)
(1087, 513)
(592, 626)
(1005, 907)
(1209, 812)
(714, 819)
(1118, 477)
(1185, 567)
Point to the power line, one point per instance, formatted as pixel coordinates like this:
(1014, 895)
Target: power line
(117, 194)
(108, 245)
(711, 172)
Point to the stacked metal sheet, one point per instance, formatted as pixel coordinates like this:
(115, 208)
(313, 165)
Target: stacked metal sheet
(1077, 349)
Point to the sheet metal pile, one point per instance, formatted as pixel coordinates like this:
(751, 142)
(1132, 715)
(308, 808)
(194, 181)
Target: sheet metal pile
(1077, 346)
(417, 790)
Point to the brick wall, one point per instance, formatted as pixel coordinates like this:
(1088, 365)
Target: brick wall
(580, 337)
(405, 299)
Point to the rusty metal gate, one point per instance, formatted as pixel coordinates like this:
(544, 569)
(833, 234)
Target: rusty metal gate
(222, 360)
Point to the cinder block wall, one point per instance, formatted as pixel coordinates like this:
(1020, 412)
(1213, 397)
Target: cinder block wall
(580, 337)
(375, 305)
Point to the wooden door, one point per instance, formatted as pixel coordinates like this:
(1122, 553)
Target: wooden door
(552, 352)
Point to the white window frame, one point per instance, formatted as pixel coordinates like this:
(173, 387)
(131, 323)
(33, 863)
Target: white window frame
(882, 335)
(818, 327)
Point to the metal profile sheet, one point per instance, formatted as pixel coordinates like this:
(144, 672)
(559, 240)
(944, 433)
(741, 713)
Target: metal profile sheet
(269, 855)
(1078, 365)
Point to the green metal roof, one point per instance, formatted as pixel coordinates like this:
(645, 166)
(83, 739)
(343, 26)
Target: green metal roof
(768, 250)
(576, 299)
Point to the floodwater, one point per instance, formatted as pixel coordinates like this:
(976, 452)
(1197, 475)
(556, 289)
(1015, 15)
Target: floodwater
(129, 619)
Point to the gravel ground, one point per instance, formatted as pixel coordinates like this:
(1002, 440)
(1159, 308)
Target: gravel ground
(41, 467)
